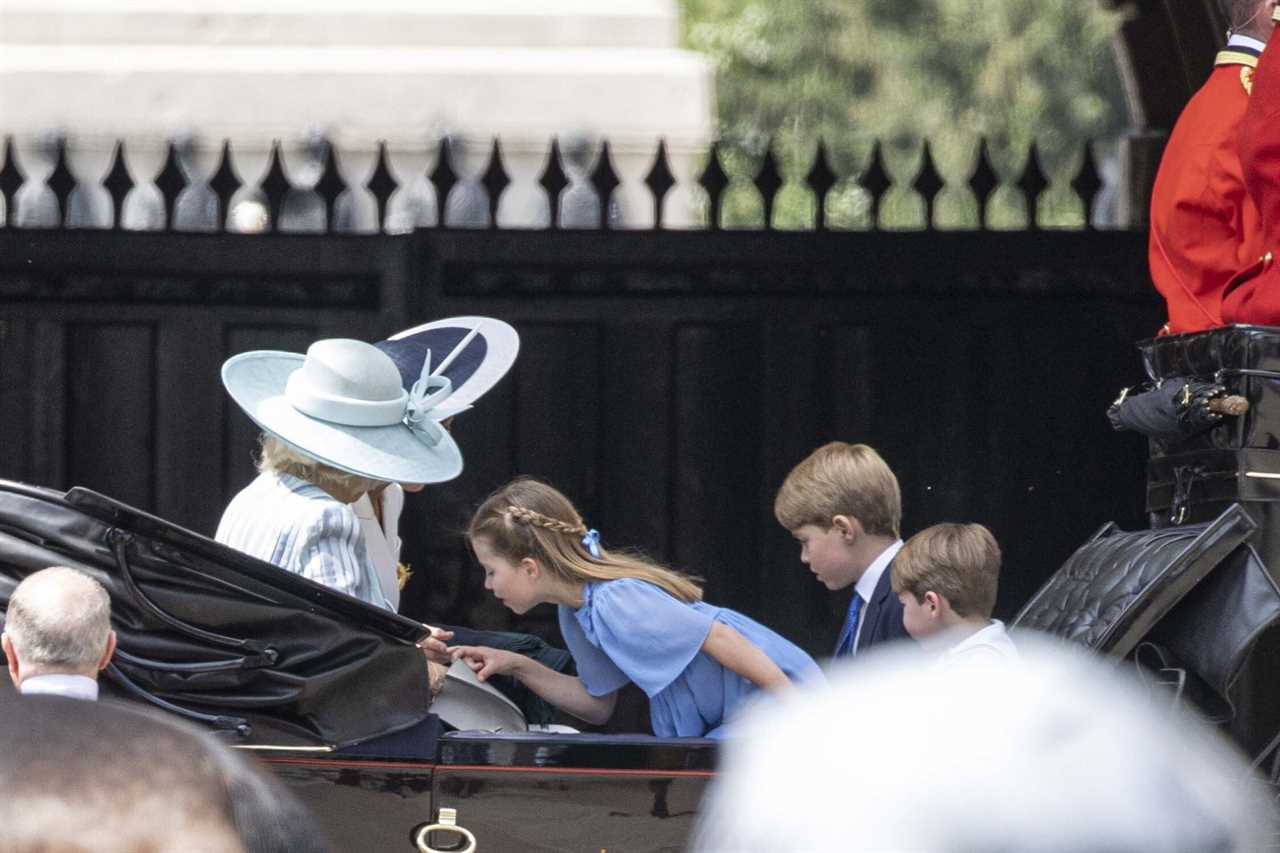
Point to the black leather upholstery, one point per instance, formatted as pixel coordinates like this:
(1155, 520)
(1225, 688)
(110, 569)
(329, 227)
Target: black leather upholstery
(1213, 629)
(1115, 587)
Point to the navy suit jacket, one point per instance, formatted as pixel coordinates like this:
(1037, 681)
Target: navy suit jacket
(882, 615)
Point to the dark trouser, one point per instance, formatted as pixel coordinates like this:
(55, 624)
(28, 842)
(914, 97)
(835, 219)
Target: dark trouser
(417, 741)
(537, 711)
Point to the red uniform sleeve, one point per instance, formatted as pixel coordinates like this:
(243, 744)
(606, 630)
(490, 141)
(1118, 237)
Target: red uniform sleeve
(1204, 225)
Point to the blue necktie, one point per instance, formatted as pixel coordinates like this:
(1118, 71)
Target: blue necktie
(850, 629)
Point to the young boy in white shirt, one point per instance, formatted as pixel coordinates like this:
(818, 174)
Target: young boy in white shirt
(946, 578)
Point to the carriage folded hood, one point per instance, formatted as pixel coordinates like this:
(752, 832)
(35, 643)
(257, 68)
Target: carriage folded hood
(217, 635)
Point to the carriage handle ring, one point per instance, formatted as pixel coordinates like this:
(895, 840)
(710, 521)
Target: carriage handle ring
(448, 823)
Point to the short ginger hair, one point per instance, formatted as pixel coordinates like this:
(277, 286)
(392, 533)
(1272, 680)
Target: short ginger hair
(841, 479)
(960, 562)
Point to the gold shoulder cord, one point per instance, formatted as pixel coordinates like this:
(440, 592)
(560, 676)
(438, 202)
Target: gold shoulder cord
(1246, 61)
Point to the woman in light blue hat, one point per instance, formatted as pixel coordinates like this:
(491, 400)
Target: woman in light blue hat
(343, 427)
(336, 424)
(479, 352)
(473, 353)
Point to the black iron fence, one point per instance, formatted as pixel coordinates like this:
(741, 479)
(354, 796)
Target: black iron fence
(668, 378)
(178, 183)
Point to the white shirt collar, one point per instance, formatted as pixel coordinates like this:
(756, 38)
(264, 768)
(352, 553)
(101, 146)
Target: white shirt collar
(58, 684)
(990, 643)
(1238, 40)
(981, 637)
(866, 586)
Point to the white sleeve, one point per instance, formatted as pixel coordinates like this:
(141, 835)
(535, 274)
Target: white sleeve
(392, 506)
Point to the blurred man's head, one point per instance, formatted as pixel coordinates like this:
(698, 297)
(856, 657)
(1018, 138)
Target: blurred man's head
(110, 778)
(1057, 754)
(58, 621)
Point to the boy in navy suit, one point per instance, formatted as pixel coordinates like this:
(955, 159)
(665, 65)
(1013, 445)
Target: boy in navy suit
(843, 505)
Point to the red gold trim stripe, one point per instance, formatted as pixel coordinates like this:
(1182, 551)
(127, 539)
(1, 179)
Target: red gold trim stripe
(1235, 57)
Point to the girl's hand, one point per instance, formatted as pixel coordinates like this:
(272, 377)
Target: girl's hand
(564, 691)
(485, 662)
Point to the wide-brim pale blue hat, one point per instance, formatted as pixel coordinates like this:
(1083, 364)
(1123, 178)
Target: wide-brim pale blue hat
(473, 353)
(343, 404)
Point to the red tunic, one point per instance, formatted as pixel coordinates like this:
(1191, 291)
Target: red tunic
(1204, 226)
(1253, 296)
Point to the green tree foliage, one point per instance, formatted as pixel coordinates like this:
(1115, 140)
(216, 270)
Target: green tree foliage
(792, 72)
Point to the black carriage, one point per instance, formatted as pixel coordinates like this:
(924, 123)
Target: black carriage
(317, 684)
(331, 693)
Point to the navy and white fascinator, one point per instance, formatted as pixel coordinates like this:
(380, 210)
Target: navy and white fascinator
(472, 353)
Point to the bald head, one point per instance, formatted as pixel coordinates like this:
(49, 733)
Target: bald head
(58, 621)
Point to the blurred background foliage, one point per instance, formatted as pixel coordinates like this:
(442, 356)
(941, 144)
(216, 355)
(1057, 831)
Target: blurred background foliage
(791, 72)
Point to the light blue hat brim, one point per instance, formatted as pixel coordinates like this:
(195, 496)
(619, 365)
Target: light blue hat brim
(256, 381)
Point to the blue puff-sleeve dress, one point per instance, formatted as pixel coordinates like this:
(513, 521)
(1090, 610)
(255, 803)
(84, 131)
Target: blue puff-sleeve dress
(631, 630)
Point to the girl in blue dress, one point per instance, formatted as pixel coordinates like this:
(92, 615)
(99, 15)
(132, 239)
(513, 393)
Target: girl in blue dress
(623, 617)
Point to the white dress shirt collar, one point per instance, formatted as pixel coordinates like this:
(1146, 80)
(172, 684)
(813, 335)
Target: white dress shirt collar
(866, 586)
(991, 643)
(57, 684)
(1238, 40)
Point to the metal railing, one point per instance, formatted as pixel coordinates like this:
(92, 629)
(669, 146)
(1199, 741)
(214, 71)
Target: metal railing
(275, 190)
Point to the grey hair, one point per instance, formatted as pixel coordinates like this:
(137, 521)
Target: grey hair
(59, 617)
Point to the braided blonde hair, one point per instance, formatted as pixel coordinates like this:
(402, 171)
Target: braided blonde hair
(528, 518)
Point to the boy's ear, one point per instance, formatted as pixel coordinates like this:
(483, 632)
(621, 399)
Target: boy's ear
(850, 528)
(934, 602)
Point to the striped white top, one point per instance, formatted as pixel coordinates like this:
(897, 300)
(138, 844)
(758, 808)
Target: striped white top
(303, 529)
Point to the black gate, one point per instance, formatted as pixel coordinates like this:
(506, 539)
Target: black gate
(667, 381)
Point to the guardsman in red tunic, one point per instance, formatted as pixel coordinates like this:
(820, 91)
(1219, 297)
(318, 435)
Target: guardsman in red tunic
(1253, 296)
(1204, 226)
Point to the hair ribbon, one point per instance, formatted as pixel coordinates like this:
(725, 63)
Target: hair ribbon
(591, 541)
